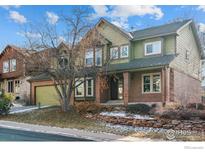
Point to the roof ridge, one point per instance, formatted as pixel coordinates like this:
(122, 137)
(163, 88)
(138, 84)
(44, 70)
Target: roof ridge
(157, 26)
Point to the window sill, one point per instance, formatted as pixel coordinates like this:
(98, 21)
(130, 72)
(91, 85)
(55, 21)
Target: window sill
(154, 54)
(91, 98)
(151, 92)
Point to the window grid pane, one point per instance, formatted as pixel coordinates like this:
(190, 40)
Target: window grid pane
(89, 87)
(124, 51)
(153, 48)
(147, 84)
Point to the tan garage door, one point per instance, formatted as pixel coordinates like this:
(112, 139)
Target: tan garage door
(46, 95)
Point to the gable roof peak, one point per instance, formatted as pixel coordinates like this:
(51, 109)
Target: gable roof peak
(121, 30)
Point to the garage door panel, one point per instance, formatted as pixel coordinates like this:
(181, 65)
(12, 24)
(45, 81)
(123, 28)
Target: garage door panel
(47, 95)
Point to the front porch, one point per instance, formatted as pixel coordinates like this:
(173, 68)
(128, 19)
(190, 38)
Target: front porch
(140, 86)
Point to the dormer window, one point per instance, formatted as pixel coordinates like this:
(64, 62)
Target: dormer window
(12, 65)
(153, 48)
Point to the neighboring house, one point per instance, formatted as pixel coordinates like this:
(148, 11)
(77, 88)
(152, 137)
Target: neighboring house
(155, 65)
(13, 78)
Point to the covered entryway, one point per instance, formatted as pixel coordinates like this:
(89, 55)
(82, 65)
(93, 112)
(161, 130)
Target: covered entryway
(46, 95)
(116, 87)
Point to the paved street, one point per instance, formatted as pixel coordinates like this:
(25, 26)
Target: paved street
(20, 135)
(72, 134)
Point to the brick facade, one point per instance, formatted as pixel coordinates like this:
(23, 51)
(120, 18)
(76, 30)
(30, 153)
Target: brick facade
(185, 89)
(136, 94)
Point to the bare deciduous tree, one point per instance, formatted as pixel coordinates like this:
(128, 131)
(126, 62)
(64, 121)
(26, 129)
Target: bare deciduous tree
(65, 67)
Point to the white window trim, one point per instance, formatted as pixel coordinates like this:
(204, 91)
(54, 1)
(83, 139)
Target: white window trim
(151, 83)
(89, 50)
(11, 65)
(8, 66)
(112, 51)
(92, 87)
(83, 93)
(121, 56)
(100, 57)
(155, 53)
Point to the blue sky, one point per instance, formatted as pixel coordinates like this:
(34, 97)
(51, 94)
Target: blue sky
(13, 19)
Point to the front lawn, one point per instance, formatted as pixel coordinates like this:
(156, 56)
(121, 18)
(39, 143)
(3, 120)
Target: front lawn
(53, 116)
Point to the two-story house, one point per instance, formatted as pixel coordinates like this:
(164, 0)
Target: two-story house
(155, 65)
(13, 73)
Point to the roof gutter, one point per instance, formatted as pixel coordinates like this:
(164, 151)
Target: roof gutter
(138, 69)
(149, 37)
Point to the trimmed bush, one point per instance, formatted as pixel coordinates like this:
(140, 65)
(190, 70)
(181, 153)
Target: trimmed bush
(183, 114)
(198, 106)
(87, 107)
(5, 103)
(138, 109)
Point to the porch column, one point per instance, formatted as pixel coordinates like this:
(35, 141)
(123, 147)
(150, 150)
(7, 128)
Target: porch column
(126, 85)
(166, 84)
(167, 100)
(32, 94)
(97, 89)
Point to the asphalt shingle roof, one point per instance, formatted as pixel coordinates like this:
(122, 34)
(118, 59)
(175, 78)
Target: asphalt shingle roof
(42, 76)
(142, 63)
(158, 30)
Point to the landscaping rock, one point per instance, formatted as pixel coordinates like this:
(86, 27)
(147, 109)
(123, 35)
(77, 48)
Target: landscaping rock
(198, 125)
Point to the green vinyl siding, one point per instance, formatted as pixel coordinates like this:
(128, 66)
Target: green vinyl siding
(47, 95)
(116, 38)
(168, 46)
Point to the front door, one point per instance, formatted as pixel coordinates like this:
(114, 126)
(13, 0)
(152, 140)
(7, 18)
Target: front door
(116, 88)
(10, 88)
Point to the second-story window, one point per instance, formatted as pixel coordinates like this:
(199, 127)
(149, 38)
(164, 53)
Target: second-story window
(124, 51)
(12, 65)
(114, 53)
(152, 48)
(89, 57)
(5, 66)
(98, 57)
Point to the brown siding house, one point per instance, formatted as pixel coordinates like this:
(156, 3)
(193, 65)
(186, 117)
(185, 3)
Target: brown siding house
(12, 73)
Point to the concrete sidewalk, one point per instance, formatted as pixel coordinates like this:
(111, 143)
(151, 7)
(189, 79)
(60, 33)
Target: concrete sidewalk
(68, 132)
(22, 109)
